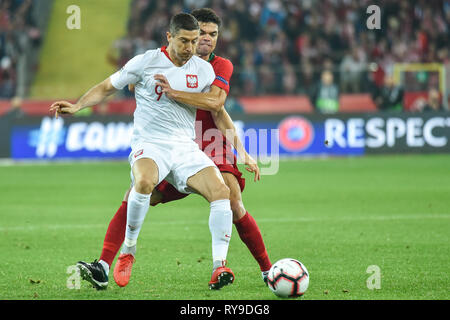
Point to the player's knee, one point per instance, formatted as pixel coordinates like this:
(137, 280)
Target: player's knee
(219, 192)
(144, 185)
(237, 206)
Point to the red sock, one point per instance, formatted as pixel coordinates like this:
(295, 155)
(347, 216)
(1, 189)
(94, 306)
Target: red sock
(115, 234)
(251, 235)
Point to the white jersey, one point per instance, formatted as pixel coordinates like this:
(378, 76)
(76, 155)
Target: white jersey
(157, 117)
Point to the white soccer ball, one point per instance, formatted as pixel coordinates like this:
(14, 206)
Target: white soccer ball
(288, 278)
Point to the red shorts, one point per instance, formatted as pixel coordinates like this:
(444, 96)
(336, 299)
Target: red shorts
(169, 193)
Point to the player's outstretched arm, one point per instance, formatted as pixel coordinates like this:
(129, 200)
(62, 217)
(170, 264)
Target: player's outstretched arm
(209, 101)
(91, 98)
(224, 123)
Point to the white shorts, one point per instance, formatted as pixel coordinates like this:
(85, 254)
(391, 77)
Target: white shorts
(176, 161)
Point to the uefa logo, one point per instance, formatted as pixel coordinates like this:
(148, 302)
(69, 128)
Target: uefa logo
(296, 133)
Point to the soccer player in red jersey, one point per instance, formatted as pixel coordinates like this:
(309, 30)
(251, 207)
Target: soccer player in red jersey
(216, 147)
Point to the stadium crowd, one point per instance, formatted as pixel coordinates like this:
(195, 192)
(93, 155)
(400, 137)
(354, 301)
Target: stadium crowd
(319, 48)
(18, 33)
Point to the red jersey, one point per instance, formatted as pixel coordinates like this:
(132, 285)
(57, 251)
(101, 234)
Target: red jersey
(223, 69)
(225, 159)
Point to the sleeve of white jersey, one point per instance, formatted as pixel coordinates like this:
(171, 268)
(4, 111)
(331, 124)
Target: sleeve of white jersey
(129, 74)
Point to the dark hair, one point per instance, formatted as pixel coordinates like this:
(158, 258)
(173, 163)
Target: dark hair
(207, 15)
(184, 21)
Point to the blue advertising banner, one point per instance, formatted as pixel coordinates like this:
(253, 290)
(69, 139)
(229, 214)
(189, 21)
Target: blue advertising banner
(297, 136)
(286, 136)
(52, 138)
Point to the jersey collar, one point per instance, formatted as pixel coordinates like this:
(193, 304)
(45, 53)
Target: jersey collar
(211, 57)
(164, 50)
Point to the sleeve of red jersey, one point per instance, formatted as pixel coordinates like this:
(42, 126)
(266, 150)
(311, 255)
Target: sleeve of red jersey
(223, 70)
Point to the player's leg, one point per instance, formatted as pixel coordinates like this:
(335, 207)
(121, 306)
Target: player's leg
(97, 272)
(246, 225)
(116, 230)
(156, 197)
(165, 192)
(115, 234)
(209, 183)
(145, 178)
(145, 173)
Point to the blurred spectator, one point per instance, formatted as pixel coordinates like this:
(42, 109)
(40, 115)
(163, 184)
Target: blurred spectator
(6, 122)
(18, 36)
(390, 96)
(418, 104)
(248, 75)
(7, 78)
(289, 79)
(276, 46)
(326, 98)
(433, 102)
(307, 82)
(282, 46)
(351, 70)
(15, 111)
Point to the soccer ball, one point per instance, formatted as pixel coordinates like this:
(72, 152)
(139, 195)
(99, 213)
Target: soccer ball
(288, 278)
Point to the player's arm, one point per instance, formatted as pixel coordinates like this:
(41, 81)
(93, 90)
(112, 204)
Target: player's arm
(224, 123)
(91, 98)
(209, 101)
(130, 73)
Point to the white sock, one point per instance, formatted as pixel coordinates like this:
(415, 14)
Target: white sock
(220, 226)
(105, 266)
(137, 208)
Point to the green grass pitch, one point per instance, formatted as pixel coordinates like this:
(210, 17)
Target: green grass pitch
(338, 216)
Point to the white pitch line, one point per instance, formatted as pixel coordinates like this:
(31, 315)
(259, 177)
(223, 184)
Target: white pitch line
(205, 222)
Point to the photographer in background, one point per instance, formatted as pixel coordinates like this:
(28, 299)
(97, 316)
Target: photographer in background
(433, 102)
(6, 121)
(390, 96)
(326, 96)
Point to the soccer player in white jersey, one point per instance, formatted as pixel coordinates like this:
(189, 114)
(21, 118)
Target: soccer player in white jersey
(163, 145)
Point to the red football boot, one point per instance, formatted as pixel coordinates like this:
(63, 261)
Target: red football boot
(122, 270)
(220, 277)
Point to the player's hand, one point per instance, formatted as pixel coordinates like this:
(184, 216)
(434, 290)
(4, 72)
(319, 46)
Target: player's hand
(252, 166)
(63, 107)
(165, 85)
